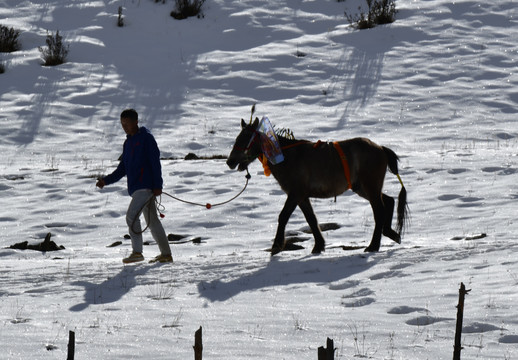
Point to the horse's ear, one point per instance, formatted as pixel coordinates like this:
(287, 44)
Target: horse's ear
(243, 124)
(256, 123)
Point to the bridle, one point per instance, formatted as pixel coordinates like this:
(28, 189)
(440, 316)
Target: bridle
(253, 139)
(256, 136)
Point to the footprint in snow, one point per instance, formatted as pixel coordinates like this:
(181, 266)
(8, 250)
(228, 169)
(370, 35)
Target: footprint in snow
(505, 136)
(388, 274)
(189, 174)
(401, 266)
(469, 201)
(457, 171)
(401, 310)
(56, 224)
(425, 320)
(465, 201)
(469, 237)
(358, 298)
(448, 197)
(500, 170)
(508, 339)
(323, 227)
(477, 327)
(344, 285)
(359, 293)
(359, 302)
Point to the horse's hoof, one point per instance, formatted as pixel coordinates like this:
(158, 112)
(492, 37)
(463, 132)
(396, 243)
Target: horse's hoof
(391, 234)
(318, 250)
(371, 249)
(275, 250)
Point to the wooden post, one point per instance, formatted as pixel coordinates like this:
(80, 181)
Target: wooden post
(460, 314)
(71, 345)
(198, 344)
(329, 353)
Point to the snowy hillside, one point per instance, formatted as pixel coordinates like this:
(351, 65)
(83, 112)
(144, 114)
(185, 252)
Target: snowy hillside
(438, 86)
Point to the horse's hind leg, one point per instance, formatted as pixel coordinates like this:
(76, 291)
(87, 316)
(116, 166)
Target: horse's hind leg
(379, 217)
(309, 214)
(284, 216)
(388, 203)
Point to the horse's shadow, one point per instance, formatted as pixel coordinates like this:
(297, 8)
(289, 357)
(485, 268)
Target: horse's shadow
(313, 269)
(112, 289)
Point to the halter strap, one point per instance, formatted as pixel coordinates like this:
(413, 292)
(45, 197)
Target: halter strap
(345, 164)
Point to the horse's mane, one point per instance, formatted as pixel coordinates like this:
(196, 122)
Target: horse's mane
(285, 133)
(286, 136)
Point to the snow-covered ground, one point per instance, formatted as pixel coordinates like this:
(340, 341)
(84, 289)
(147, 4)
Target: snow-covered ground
(438, 86)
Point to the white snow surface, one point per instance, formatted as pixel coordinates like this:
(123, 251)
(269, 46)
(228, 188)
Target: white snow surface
(439, 86)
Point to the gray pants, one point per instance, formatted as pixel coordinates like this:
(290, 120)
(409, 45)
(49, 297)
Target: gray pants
(140, 203)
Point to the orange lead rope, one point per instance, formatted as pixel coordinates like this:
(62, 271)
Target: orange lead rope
(345, 164)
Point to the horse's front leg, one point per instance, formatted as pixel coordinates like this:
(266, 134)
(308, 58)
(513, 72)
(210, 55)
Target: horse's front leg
(284, 216)
(309, 214)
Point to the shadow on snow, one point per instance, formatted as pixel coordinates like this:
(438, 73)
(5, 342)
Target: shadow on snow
(278, 272)
(112, 289)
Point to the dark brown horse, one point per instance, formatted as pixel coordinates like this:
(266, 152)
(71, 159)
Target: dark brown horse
(319, 170)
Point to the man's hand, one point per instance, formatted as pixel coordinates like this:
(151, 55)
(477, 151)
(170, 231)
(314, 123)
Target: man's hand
(157, 192)
(100, 183)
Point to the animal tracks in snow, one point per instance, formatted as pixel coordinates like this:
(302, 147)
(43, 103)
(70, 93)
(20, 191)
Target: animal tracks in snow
(364, 301)
(402, 310)
(422, 320)
(426, 320)
(509, 339)
(359, 298)
(344, 285)
(448, 197)
(464, 201)
(499, 170)
(387, 275)
(478, 327)
(457, 171)
(470, 237)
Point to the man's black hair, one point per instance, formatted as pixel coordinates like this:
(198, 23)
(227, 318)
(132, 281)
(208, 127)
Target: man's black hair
(130, 113)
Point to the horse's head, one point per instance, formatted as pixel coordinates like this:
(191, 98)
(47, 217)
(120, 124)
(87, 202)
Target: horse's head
(247, 146)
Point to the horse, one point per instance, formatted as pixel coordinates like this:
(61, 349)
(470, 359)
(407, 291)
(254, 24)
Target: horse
(325, 170)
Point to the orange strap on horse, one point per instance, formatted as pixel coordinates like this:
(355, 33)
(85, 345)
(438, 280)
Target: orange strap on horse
(264, 161)
(345, 164)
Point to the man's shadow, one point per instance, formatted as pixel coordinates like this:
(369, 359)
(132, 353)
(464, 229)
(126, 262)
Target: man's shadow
(316, 270)
(112, 289)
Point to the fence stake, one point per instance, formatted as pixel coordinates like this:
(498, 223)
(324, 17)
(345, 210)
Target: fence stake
(329, 353)
(460, 314)
(198, 344)
(71, 345)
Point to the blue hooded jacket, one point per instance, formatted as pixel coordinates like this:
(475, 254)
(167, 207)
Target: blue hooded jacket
(140, 163)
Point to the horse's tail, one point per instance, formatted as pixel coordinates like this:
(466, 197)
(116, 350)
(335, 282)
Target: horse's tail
(402, 206)
(392, 160)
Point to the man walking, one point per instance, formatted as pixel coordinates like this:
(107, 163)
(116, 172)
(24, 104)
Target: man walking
(140, 163)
